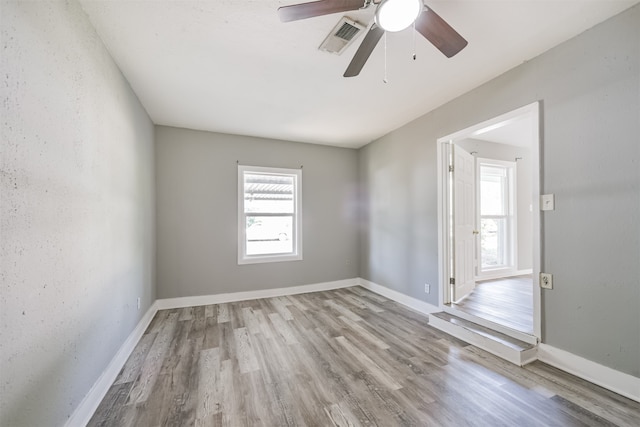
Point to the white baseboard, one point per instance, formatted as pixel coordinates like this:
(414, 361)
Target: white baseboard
(83, 413)
(616, 381)
(169, 303)
(502, 274)
(413, 303)
(523, 272)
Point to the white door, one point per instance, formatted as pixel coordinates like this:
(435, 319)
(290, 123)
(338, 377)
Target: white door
(464, 214)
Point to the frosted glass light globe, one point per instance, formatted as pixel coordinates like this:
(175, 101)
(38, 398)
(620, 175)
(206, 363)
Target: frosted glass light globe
(396, 15)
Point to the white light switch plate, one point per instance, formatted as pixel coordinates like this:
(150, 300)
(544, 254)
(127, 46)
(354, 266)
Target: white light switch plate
(547, 202)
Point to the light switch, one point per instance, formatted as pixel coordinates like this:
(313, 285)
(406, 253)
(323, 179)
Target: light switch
(547, 202)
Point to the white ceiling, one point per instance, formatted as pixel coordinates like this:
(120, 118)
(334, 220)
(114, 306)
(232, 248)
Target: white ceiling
(517, 131)
(231, 66)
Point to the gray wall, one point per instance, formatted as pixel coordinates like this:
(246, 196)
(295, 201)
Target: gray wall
(197, 205)
(590, 89)
(76, 221)
(524, 217)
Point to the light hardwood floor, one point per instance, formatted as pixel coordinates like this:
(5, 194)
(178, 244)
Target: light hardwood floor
(347, 358)
(508, 302)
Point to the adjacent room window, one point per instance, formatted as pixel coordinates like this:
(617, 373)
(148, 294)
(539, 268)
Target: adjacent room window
(269, 215)
(496, 196)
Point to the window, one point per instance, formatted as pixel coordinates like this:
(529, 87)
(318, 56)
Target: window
(496, 215)
(269, 215)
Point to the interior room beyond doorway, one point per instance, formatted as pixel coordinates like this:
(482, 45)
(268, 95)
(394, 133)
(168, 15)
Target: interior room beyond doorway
(507, 301)
(490, 223)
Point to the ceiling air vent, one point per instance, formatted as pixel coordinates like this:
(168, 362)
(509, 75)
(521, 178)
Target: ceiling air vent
(341, 36)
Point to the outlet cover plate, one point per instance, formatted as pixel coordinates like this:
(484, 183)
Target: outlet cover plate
(547, 202)
(546, 280)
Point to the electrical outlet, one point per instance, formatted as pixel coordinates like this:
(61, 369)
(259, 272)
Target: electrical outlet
(547, 202)
(427, 288)
(138, 303)
(546, 280)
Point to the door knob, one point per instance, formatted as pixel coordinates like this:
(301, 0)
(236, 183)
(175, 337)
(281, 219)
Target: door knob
(476, 232)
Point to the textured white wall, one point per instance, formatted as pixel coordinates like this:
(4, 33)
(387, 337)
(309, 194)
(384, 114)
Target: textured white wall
(77, 223)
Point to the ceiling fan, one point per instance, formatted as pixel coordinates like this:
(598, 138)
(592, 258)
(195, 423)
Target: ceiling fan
(391, 15)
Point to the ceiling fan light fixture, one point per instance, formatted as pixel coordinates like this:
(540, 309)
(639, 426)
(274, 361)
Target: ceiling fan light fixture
(396, 15)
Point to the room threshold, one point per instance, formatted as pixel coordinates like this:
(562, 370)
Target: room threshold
(453, 309)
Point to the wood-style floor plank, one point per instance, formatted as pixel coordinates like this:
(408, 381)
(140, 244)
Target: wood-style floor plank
(507, 301)
(153, 362)
(337, 358)
(209, 387)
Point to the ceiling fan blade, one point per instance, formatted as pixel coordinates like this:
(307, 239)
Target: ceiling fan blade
(439, 33)
(295, 12)
(364, 51)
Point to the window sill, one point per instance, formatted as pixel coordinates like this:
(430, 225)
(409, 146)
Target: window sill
(261, 259)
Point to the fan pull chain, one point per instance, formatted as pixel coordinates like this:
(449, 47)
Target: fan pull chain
(385, 58)
(414, 40)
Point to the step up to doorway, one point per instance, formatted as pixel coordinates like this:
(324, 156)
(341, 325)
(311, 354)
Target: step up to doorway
(504, 346)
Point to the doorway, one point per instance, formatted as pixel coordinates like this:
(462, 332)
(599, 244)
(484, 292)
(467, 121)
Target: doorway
(489, 223)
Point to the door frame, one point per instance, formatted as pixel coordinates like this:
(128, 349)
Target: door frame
(444, 219)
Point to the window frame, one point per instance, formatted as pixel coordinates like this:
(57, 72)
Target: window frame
(296, 254)
(509, 216)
